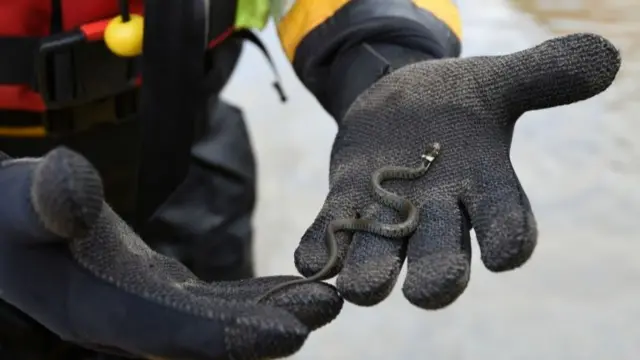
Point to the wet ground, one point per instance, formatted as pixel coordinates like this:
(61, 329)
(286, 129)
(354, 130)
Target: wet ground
(579, 296)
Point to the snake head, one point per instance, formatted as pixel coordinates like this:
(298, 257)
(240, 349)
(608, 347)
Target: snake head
(431, 153)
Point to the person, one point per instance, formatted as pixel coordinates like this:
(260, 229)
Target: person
(79, 283)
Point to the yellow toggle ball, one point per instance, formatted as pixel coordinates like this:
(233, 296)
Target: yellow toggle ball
(125, 38)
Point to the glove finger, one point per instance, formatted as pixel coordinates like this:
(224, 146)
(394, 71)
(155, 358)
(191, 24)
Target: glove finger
(373, 262)
(312, 253)
(67, 193)
(557, 72)
(502, 218)
(124, 296)
(155, 293)
(438, 255)
(58, 196)
(313, 304)
(143, 327)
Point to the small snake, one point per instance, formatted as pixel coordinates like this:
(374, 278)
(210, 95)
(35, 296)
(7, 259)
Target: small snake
(406, 209)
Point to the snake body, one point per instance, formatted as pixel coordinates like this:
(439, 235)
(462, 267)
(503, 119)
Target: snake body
(407, 210)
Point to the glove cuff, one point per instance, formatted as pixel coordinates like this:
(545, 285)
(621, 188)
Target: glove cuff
(355, 70)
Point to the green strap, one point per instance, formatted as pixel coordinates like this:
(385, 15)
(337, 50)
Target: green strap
(252, 14)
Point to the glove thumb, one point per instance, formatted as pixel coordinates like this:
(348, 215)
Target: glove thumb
(57, 196)
(557, 72)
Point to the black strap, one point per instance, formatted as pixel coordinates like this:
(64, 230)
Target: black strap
(172, 97)
(254, 39)
(17, 63)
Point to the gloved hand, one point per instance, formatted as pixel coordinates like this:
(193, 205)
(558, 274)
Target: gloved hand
(469, 106)
(73, 265)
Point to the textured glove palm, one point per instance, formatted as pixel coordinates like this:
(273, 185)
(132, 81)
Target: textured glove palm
(470, 107)
(73, 265)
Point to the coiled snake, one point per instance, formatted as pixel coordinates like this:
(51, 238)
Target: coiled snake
(395, 231)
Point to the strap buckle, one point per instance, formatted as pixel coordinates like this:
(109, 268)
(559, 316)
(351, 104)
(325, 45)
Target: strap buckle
(72, 71)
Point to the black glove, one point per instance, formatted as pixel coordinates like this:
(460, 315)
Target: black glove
(470, 107)
(68, 261)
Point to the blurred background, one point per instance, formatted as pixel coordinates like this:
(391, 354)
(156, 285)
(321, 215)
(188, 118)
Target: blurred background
(577, 298)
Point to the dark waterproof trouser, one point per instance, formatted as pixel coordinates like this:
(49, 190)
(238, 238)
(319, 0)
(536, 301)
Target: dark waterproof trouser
(206, 223)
